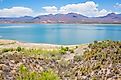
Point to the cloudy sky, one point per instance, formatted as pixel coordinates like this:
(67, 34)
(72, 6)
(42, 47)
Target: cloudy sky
(91, 8)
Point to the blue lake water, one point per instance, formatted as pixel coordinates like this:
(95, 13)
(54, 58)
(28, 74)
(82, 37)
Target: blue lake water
(60, 33)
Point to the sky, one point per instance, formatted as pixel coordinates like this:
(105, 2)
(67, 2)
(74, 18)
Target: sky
(90, 8)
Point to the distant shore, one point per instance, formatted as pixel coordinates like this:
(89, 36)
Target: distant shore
(70, 23)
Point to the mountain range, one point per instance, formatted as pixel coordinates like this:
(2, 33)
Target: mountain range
(70, 18)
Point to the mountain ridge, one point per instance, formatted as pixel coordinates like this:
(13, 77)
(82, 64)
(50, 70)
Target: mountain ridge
(64, 18)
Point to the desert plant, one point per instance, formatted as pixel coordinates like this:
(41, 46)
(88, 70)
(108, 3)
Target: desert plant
(77, 57)
(49, 75)
(25, 74)
(7, 50)
(19, 49)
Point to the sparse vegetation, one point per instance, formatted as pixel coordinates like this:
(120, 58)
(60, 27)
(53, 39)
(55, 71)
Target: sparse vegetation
(49, 75)
(77, 58)
(25, 74)
(100, 61)
(7, 50)
(63, 50)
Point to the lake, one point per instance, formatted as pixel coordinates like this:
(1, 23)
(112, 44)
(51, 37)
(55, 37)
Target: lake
(60, 33)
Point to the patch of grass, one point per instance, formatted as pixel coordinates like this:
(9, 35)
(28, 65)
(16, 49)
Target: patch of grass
(37, 52)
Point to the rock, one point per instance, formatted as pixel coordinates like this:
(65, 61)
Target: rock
(1, 66)
(1, 72)
(13, 72)
(6, 69)
(19, 64)
(12, 61)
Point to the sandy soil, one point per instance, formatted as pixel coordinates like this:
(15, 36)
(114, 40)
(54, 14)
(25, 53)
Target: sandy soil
(13, 44)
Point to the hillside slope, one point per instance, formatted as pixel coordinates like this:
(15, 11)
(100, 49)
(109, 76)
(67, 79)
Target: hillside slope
(95, 61)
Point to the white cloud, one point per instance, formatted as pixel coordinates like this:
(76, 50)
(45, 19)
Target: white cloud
(15, 11)
(117, 5)
(50, 9)
(88, 8)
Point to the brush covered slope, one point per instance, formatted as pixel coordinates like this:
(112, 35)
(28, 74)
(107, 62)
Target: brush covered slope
(95, 61)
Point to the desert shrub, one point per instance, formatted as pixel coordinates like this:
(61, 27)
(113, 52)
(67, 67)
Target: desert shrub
(1, 44)
(77, 58)
(96, 66)
(71, 50)
(7, 50)
(63, 50)
(95, 42)
(49, 75)
(94, 78)
(64, 63)
(19, 49)
(85, 70)
(25, 74)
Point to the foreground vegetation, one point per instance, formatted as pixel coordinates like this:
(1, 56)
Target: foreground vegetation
(99, 61)
(25, 74)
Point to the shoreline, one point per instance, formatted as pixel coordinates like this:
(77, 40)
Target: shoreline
(69, 23)
(14, 43)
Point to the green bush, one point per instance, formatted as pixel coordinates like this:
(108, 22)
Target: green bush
(78, 58)
(18, 49)
(63, 50)
(49, 75)
(25, 74)
(7, 50)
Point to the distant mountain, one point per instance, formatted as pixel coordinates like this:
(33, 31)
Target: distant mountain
(24, 19)
(60, 18)
(113, 16)
(63, 18)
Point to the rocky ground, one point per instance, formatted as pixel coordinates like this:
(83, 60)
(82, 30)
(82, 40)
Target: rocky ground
(95, 61)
